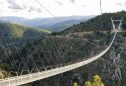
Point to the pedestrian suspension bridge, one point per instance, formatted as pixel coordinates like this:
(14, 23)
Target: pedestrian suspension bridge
(20, 78)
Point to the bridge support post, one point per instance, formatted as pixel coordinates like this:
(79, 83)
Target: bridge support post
(117, 21)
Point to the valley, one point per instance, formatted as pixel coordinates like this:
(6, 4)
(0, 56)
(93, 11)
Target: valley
(32, 48)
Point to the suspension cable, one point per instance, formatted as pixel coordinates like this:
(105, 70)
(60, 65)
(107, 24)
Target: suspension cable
(101, 7)
(45, 8)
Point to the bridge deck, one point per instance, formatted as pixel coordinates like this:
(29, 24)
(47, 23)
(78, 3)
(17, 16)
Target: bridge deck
(23, 79)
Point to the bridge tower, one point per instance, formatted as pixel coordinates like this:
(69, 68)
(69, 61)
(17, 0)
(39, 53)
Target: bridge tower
(116, 24)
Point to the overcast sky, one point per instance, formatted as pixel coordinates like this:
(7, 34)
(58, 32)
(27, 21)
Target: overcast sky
(31, 9)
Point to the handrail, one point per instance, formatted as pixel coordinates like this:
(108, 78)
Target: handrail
(24, 79)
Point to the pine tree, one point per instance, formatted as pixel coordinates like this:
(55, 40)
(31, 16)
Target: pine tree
(87, 83)
(97, 81)
(75, 84)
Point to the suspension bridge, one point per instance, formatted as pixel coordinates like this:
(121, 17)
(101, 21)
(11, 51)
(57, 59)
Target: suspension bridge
(60, 51)
(58, 69)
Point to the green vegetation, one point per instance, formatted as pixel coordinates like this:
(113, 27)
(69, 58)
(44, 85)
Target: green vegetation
(58, 48)
(4, 68)
(18, 34)
(43, 30)
(75, 84)
(16, 30)
(96, 81)
(19, 31)
(87, 83)
(98, 23)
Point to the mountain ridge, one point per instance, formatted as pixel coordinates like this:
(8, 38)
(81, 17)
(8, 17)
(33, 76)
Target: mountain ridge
(98, 23)
(43, 22)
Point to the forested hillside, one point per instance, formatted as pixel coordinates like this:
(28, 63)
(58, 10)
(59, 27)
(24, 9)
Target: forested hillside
(98, 23)
(18, 31)
(67, 46)
(110, 67)
(13, 37)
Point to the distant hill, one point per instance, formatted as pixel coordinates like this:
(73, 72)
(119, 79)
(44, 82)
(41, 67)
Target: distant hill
(13, 19)
(48, 23)
(62, 25)
(54, 20)
(53, 50)
(15, 31)
(97, 23)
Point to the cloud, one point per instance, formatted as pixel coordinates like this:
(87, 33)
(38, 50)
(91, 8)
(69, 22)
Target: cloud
(39, 10)
(14, 5)
(1, 2)
(58, 2)
(21, 6)
(83, 5)
(34, 9)
(73, 1)
(125, 4)
(119, 4)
